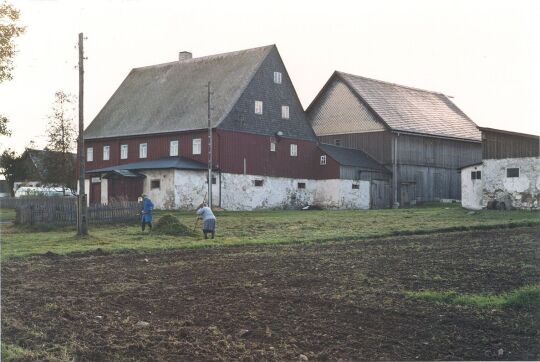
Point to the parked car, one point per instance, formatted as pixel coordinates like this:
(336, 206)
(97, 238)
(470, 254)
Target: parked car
(25, 191)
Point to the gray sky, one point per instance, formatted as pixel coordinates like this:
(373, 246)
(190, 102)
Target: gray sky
(483, 53)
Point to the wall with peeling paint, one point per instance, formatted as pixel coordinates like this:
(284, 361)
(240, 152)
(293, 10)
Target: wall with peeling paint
(522, 192)
(339, 194)
(471, 190)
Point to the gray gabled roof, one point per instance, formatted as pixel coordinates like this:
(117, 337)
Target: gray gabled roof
(173, 97)
(161, 164)
(413, 110)
(352, 157)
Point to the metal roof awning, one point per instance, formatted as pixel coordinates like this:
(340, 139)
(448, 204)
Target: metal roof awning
(160, 164)
(123, 173)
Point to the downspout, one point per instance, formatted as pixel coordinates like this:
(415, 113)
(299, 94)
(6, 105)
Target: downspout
(394, 170)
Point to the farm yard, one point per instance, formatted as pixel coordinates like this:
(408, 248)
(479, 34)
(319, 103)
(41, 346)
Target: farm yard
(433, 282)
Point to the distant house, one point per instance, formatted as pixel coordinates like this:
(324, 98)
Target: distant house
(421, 136)
(36, 164)
(152, 137)
(508, 175)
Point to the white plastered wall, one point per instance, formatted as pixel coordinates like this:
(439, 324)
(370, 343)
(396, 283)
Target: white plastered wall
(523, 192)
(471, 190)
(339, 194)
(104, 191)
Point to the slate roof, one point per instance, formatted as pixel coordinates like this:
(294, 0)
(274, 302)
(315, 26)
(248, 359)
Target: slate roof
(352, 157)
(413, 110)
(172, 97)
(163, 163)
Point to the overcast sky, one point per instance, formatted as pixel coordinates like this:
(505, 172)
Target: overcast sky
(486, 54)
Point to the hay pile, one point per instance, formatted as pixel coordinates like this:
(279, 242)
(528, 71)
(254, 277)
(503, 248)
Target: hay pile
(170, 225)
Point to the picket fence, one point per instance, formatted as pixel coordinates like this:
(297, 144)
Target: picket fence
(63, 211)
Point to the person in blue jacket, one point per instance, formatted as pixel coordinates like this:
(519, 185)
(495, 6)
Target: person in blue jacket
(146, 213)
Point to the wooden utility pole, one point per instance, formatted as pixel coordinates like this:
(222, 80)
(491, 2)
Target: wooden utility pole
(209, 151)
(82, 222)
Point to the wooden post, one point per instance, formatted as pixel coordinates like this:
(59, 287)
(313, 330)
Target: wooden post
(82, 225)
(209, 152)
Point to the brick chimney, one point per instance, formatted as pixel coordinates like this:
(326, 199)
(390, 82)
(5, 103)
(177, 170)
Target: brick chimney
(184, 56)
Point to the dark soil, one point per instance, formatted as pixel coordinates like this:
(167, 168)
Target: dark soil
(325, 301)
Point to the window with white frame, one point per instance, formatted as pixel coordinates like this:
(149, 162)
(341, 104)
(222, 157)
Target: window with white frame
(272, 146)
(277, 77)
(106, 153)
(173, 148)
(323, 160)
(90, 154)
(123, 152)
(196, 146)
(285, 112)
(294, 150)
(143, 150)
(258, 107)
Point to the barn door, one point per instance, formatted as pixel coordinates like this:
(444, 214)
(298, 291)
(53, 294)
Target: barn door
(380, 194)
(407, 194)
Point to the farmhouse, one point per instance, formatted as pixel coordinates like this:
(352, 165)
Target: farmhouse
(37, 166)
(421, 136)
(508, 175)
(152, 137)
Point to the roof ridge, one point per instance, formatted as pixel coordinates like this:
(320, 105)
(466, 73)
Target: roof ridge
(390, 83)
(206, 57)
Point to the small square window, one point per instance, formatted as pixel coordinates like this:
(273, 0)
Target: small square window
(512, 172)
(337, 142)
(285, 112)
(155, 184)
(323, 160)
(213, 180)
(355, 186)
(272, 146)
(258, 107)
(106, 153)
(173, 148)
(301, 185)
(259, 183)
(277, 77)
(123, 152)
(196, 146)
(90, 154)
(143, 150)
(294, 150)
(476, 175)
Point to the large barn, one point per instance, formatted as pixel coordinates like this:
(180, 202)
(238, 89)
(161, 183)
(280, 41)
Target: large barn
(152, 137)
(421, 136)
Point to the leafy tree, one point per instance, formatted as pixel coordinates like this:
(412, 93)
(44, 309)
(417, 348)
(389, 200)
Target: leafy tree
(9, 30)
(4, 130)
(59, 165)
(12, 167)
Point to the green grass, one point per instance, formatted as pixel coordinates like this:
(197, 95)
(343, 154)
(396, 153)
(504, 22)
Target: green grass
(11, 352)
(7, 214)
(266, 227)
(525, 297)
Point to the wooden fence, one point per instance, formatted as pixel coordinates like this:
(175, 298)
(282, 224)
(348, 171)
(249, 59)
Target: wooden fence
(63, 211)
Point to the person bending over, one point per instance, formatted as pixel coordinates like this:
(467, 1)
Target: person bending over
(209, 220)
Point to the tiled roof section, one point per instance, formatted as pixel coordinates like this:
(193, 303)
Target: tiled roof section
(413, 110)
(173, 97)
(352, 157)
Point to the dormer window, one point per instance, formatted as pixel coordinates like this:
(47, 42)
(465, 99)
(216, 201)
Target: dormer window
(277, 77)
(258, 107)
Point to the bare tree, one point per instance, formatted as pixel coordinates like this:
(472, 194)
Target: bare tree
(59, 165)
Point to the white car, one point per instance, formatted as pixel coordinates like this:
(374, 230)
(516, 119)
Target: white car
(43, 191)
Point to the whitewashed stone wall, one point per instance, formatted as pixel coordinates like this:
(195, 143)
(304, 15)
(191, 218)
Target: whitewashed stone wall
(471, 190)
(104, 191)
(240, 193)
(523, 192)
(181, 189)
(339, 194)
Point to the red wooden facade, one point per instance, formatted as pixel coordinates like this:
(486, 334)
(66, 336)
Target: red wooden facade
(229, 151)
